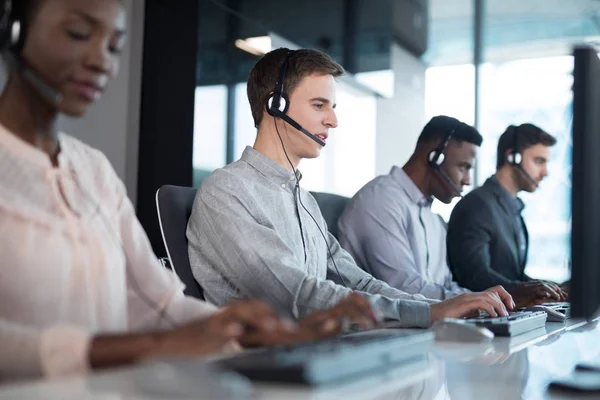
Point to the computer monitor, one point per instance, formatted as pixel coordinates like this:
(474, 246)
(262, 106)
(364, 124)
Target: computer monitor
(585, 198)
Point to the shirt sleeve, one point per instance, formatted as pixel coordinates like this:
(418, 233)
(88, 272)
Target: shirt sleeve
(27, 353)
(250, 255)
(155, 293)
(358, 279)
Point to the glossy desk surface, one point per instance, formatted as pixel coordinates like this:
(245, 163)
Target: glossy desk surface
(506, 368)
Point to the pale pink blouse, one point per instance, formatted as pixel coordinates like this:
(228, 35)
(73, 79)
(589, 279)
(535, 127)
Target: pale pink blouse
(73, 260)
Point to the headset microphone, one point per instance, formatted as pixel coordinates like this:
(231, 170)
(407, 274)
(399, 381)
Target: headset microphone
(279, 102)
(296, 125)
(445, 176)
(33, 78)
(527, 176)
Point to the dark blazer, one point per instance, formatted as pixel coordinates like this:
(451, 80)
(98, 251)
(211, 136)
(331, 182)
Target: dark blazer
(482, 240)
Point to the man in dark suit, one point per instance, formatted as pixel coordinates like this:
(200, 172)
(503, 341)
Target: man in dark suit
(487, 238)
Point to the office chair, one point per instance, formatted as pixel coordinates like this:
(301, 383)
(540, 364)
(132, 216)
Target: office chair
(332, 206)
(174, 207)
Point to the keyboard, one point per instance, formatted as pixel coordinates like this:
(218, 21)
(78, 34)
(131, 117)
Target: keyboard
(333, 360)
(514, 324)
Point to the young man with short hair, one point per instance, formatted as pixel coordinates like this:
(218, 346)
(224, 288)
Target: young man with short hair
(388, 226)
(487, 237)
(254, 232)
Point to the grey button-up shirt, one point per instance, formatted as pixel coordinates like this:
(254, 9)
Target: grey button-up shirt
(391, 232)
(244, 241)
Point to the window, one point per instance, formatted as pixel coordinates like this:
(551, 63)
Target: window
(537, 91)
(347, 163)
(209, 130)
(449, 90)
(531, 90)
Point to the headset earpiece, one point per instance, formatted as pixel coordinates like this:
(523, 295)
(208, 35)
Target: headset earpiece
(12, 28)
(436, 157)
(277, 102)
(514, 158)
(518, 158)
(16, 36)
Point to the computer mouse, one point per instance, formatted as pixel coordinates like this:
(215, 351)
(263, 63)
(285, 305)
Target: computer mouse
(552, 314)
(456, 330)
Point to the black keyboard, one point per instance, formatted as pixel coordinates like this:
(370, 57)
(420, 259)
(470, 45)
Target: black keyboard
(514, 324)
(331, 360)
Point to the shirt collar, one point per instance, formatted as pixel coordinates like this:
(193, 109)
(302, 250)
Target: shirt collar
(31, 153)
(516, 204)
(269, 168)
(409, 187)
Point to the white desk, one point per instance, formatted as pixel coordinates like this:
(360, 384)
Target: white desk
(507, 368)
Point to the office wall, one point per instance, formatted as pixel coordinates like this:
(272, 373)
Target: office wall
(112, 125)
(401, 118)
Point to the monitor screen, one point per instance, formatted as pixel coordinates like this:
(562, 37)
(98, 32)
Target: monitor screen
(584, 290)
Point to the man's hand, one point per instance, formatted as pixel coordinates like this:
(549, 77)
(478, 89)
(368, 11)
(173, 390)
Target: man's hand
(505, 297)
(563, 292)
(565, 287)
(353, 309)
(537, 292)
(491, 301)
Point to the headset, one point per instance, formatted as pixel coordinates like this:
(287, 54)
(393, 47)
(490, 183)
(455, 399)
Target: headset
(277, 106)
(515, 158)
(278, 103)
(13, 33)
(436, 158)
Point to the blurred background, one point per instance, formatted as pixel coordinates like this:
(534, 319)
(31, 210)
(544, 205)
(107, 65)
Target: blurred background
(489, 63)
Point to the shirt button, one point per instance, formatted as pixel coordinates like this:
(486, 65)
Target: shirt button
(292, 178)
(283, 185)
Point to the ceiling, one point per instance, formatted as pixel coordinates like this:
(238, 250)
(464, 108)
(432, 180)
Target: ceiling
(512, 28)
(441, 29)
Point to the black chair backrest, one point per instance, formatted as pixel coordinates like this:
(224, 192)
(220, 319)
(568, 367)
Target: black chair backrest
(174, 206)
(332, 206)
